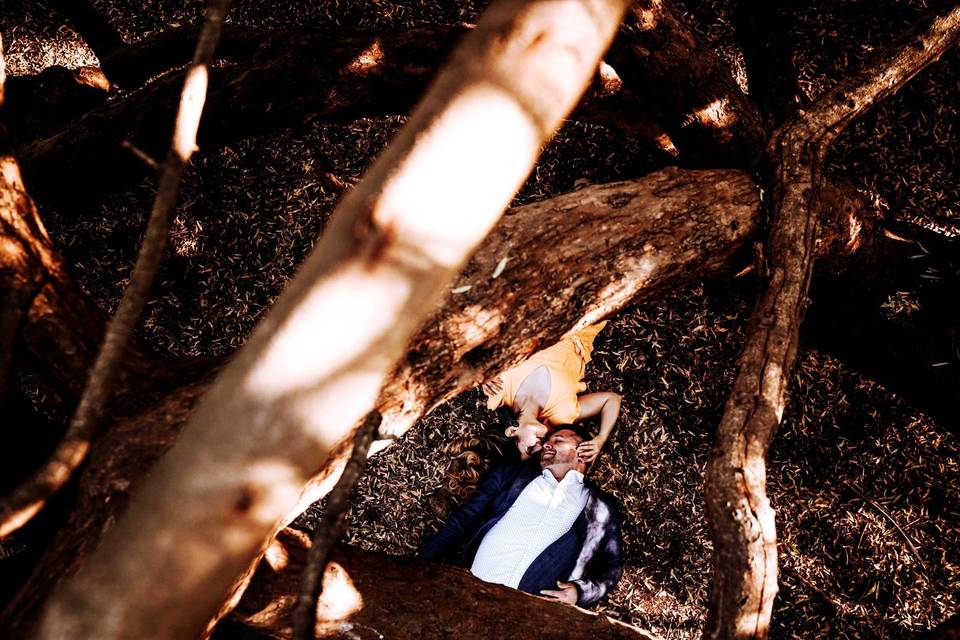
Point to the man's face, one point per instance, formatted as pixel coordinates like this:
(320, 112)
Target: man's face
(560, 449)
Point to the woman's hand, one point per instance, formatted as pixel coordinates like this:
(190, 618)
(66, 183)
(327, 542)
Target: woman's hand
(588, 450)
(492, 387)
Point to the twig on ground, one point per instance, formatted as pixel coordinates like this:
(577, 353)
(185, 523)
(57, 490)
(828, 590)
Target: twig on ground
(142, 155)
(330, 529)
(886, 514)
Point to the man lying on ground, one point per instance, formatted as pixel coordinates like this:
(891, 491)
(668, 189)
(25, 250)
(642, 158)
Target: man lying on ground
(543, 529)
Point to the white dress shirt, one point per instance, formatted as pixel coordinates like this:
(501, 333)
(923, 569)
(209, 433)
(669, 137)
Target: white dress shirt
(544, 511)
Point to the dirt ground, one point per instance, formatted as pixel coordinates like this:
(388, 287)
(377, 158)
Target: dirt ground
(867, 489)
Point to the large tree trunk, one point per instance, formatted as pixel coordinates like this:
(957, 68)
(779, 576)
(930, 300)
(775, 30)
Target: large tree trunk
(315, 365)
(636, 240)
(373, 595)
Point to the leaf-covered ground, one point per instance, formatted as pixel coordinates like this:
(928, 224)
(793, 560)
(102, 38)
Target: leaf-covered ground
(867, 489)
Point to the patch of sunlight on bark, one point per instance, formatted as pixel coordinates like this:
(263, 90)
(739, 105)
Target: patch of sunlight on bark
(484, 136)
(10, 171)
(273, 612)
(636, 272)
(772, 387)
(10, 249)
(191, 105)
(666, 144)
(609, 78)
(338, 320)
(716, 115)
(475, 325)
(276, 556)
(647, 17)
(369, 58)
(339, 599)
(749, 626)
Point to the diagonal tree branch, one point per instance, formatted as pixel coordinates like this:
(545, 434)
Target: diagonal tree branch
(21, 505)
(739, 512)
(133, 64)
(330, 529)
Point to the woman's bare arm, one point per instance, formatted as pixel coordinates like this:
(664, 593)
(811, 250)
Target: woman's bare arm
(606, 404)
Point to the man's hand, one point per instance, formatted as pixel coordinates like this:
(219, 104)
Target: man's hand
(588, 450)
(567, 593)
(492, 387)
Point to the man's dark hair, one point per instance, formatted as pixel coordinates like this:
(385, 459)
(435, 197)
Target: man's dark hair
(579, 429)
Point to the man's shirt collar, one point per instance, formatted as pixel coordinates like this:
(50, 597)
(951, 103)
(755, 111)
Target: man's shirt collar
(573, 475)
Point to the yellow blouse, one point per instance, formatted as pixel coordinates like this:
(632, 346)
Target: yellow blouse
(566, 362)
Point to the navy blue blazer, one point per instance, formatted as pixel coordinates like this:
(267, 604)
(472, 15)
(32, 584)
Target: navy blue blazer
(589, 555)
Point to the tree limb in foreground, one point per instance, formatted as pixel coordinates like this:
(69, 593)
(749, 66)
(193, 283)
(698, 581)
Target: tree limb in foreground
(739, 514)
(315, 364)
(23, 503)
(405, 599)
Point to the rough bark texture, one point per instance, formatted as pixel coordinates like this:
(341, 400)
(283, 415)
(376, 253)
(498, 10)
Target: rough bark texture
(134, 64)
(388, 253)
(695, 97)
(371, 595)
(739, 513)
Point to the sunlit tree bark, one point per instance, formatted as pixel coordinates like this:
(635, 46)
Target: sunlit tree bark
(404, 599)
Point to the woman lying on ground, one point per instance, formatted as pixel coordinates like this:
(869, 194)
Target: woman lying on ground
(544, 391)
(541, 392)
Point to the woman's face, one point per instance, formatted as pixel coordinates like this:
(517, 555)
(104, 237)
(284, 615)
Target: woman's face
(529, 437)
